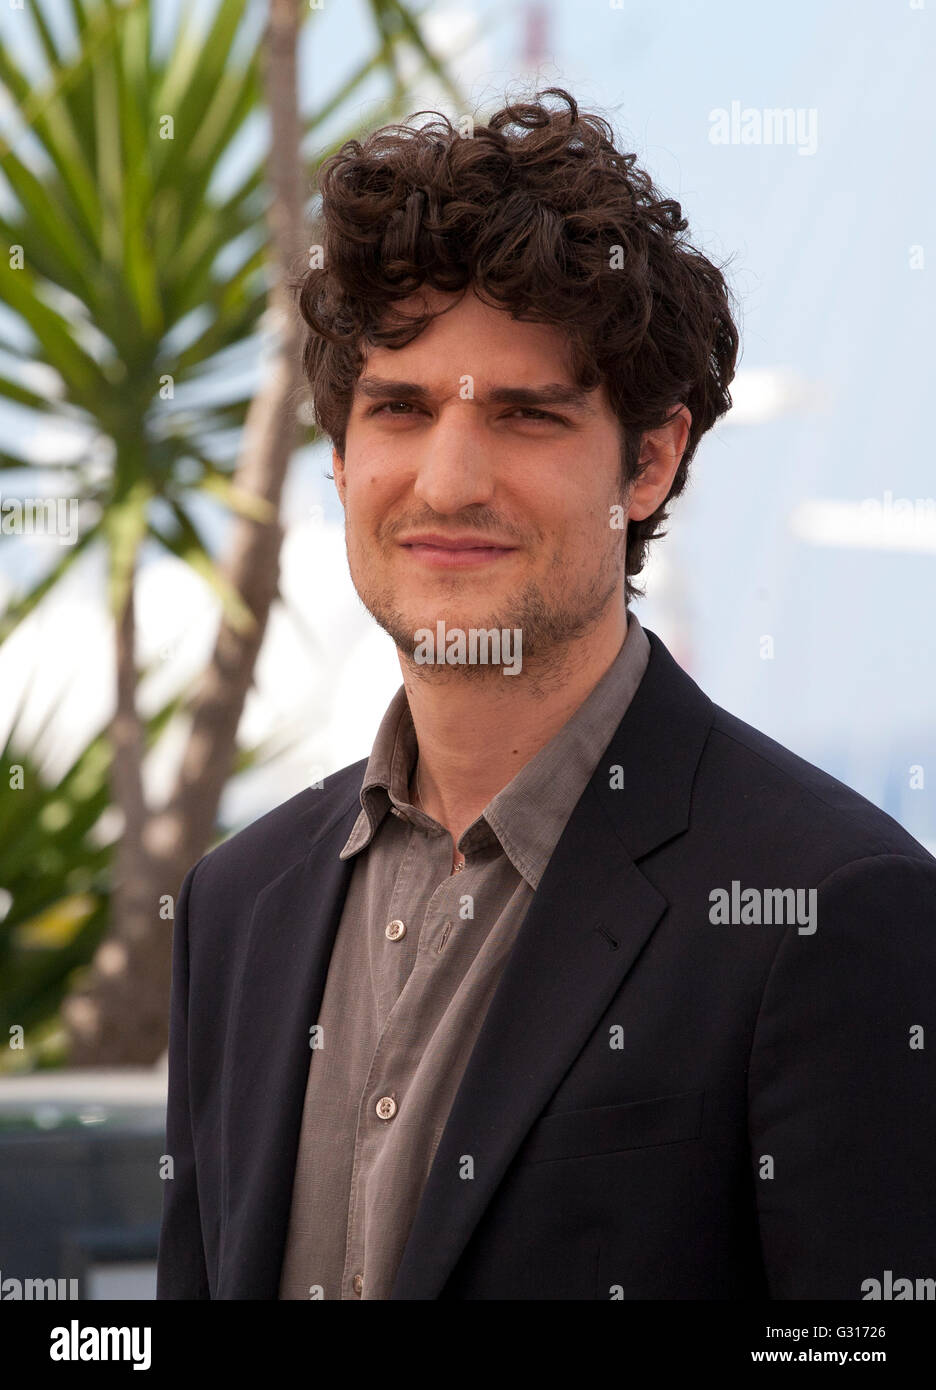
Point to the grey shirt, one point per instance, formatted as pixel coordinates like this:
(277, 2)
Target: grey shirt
(417, 957)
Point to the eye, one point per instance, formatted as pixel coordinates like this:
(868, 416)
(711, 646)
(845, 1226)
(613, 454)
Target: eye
(386, 405)
(530, 410)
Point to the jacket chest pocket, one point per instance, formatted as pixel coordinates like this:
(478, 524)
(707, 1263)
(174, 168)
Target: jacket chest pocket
(605, 1129)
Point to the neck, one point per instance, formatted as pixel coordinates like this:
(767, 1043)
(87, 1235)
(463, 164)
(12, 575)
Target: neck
(475, 734)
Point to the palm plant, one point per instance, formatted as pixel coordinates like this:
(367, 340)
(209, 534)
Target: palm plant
(55, 856)
(142, 272)
(53, 868)
(56, 852)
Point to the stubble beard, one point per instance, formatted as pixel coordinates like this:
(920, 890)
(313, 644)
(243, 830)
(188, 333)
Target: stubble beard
(550, 625)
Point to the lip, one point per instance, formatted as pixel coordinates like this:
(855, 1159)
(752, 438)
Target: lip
(455, 552)
(443, 542)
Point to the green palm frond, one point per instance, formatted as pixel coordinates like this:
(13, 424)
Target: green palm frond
(143, 263)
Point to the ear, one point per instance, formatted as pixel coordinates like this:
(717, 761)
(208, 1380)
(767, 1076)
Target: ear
(660, 453)
(339, 472)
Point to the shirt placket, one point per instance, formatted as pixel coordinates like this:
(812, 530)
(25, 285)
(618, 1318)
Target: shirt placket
(433, 967)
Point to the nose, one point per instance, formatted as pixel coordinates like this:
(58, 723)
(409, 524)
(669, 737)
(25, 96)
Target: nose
(455, 466)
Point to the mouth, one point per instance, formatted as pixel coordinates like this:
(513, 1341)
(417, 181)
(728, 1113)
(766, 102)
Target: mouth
(441, 553)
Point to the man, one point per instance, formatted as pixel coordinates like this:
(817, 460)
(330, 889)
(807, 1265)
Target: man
(579, 987)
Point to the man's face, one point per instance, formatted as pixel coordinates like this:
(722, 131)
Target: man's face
(476, 431)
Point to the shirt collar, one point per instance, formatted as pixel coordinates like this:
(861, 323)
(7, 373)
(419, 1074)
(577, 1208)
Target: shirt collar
(529, 814)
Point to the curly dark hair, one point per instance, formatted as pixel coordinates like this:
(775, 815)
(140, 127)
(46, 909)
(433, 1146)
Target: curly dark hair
(549, 222)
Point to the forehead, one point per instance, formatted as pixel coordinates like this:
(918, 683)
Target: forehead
(469, 337)
(466, 329)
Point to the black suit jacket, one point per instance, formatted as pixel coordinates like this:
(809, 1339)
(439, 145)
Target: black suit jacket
(657, 1106)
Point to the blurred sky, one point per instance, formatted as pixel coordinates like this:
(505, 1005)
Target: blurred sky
(831, 400)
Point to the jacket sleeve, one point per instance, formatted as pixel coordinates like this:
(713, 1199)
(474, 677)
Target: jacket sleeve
(842, 1088)
(180, 1262)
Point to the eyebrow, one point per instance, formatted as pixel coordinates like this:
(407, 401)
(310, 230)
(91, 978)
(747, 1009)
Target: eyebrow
(553, 393)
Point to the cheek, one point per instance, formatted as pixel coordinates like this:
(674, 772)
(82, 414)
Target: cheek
(372, 516)
(374, 485)
(584, 535)
(363, 499)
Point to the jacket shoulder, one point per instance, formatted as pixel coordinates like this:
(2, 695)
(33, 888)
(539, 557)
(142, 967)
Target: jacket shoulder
(259, 852)
(790, 788)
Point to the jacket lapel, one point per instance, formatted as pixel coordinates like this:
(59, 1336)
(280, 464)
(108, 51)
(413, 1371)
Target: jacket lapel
(587, 923)
(280, 988)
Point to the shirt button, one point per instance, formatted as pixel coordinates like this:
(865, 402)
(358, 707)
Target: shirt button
(357, 1283)
(395, 930)
(386, 1107)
